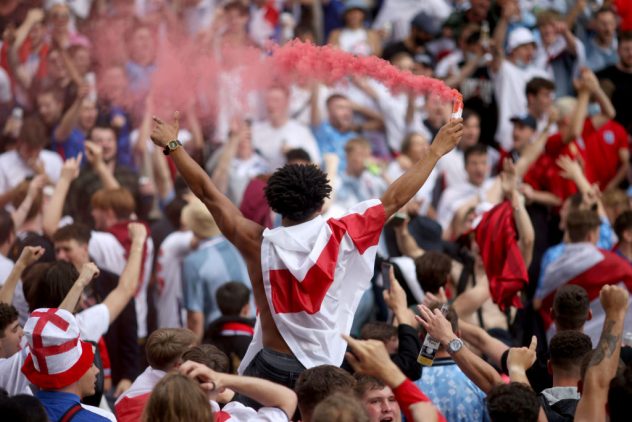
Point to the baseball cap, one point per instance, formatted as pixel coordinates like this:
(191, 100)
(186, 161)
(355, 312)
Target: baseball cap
(426, 23)
(526, 120)
(520, 36)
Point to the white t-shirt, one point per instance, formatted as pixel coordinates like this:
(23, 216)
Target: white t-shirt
(238, 413)
(19, 301)
(510, 83)
(5, 87)
(241, 172)
(454, 197)
(14, 170)
(168, 297)
(93, 322)
(109, 254)
(272, 142)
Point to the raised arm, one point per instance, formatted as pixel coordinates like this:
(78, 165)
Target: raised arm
(405, 187)
(476, 369)
(94, 155)
(481, 340)
(88, 272)
(526, 233)
(520, 359)
(35, 187)
(243, 233)
(29, 255)
(221, 173)
(55, 208)
(603, 365)
(71, 116)
(130, 277)
(267, 393)
(572, 170)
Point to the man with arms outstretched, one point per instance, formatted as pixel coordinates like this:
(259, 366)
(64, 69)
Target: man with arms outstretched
(309, 274)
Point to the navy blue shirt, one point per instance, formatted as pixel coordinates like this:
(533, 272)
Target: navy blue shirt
(57, 404)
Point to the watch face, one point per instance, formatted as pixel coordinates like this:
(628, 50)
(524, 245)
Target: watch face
(173, 145)
(455, 345)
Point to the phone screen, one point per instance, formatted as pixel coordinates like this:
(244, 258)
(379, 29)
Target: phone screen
(386, 275)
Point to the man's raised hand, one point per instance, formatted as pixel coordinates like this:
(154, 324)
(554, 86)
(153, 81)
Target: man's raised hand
(137, 232)
(614, 299)
(162, 133)
(30, 255)
(448, 137)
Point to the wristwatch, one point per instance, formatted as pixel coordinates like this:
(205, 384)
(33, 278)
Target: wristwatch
(455, 345)
(171, 146)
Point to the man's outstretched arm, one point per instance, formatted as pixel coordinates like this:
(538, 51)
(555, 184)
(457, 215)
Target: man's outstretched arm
(242, 232)
(403, 189)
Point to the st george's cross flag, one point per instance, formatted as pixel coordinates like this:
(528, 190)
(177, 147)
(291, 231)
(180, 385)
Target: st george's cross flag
(314, 275)
(585, 265)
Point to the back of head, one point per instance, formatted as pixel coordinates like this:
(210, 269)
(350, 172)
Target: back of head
(6, 226)
(177, 398)
(33, 133)
(165, 347)
(231, 297)
(377, 330)
(433, 269)
(580, 223)
(568, 349)
(340, 408)
(47, 284)
(19, 195)
(515, 402)
(119, 200)
(208, 355)
(620, 395)
(570, 307)
(316, 384)
(297, 156)
(22, 408)
(297, 191)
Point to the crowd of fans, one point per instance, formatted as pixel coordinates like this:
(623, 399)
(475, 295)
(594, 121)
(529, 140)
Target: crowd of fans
(280, 252)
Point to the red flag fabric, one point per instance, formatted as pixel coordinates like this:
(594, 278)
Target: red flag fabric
(610, 269)
(496, 236)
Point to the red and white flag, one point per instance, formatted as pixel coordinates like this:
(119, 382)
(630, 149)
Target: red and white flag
(585, 265)
(314, 275)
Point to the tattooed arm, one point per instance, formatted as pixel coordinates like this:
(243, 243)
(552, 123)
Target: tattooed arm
(605, 359)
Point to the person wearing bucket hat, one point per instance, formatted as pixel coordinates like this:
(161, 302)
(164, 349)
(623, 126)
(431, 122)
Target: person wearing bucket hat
(354, 37)
(213, 263)
(512, 72)
(60, 364)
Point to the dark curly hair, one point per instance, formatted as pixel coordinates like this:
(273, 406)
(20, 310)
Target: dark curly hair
(513, 402)
(296, 191)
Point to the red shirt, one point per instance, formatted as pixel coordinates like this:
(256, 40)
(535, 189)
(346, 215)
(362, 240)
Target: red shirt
(601, 151)
(624, 9)
(544, 174)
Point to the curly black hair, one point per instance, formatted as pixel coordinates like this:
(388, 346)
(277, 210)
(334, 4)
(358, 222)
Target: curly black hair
(514, 402)
(296, 191)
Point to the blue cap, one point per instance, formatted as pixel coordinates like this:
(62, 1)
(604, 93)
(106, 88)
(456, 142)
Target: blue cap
(526, 120)
(427, 23)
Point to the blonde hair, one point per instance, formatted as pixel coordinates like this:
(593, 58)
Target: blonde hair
(165, 346)
(177, 398)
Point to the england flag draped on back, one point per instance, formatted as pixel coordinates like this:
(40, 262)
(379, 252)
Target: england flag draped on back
(585, 265)
(314, 275)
